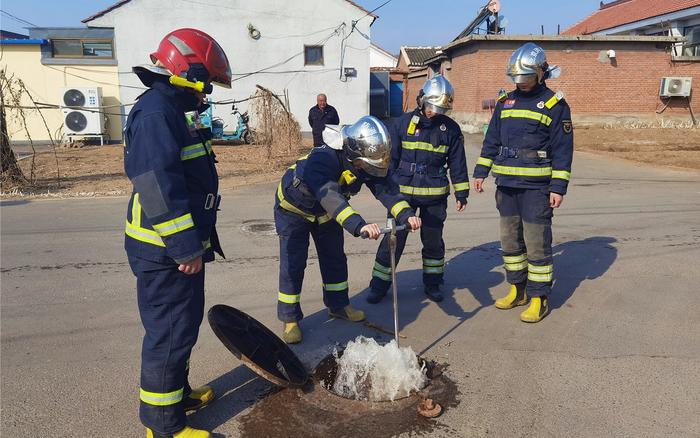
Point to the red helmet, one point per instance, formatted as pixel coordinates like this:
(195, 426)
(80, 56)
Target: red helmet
(193, 54)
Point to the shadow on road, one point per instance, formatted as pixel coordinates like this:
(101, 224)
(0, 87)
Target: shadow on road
(469, 272)
(475, 271)
(577, 261)
(235, 391)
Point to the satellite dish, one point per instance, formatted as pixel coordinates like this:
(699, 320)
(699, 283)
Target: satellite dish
(494, 6)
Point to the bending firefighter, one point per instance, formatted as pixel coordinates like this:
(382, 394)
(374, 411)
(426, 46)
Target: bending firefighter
(170, 221)
(312, 199)
(529, 147)
(426, 144)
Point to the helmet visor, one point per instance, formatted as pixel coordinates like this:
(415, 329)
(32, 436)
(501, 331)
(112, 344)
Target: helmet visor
(442, 101)
(522, 79)
(377, 168)
(434, 108)
(221, 84)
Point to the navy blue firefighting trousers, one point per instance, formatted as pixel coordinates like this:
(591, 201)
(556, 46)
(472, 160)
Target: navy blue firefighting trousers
(294, 231)
(171, 305)
(433, 221)
(526, 237)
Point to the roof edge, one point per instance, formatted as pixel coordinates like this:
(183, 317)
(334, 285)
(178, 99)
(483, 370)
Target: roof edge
(564, 38)
(123, 2)
(383, 50)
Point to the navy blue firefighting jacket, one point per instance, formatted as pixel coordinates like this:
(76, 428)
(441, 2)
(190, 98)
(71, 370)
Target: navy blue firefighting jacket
(319, 186)
(423, 150)
(172, 210)
(530, 142)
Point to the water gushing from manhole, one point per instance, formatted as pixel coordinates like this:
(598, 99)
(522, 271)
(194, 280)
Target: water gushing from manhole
(365, 370)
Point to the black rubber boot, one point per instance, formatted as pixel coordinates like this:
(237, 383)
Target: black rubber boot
(433, 292)
(375, 296)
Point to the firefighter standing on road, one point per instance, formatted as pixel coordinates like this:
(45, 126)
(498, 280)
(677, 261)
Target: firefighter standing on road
(426, 143)
(529, 147)
(170, 222)
(312, 199)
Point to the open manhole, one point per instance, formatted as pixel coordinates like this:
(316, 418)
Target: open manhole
(259, 227)
(306, 405)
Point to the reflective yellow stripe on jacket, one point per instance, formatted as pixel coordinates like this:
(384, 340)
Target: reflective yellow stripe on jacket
(195, 151)
(526, 114)
(424, 191)
(134, 229)
(345, 214)
(561, 174)
(484, 161)
(398, 208)
(522, 171)
(423, 146)
(167, 228)
(291, 208)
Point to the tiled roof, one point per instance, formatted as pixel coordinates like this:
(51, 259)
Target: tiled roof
(416, 56)
(622, 12)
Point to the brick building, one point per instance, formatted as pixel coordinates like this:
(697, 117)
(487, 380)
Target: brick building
(600, 88)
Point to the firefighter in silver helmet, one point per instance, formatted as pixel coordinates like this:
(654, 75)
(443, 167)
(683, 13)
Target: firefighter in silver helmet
(426, 145)
(313, 200)
(529, 148)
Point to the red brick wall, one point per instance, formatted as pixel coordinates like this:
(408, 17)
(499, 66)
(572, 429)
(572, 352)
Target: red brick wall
(413, 85)
(402, 63)
(591, 87)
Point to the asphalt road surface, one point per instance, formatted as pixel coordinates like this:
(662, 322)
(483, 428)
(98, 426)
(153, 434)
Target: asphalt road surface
(618, 356)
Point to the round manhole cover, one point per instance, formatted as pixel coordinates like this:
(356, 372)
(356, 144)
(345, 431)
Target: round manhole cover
(259, 227)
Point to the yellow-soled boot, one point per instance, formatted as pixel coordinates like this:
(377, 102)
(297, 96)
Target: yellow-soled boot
(198, 398)
(187, 432)
(516, 297)
(347, 313)
(292, 333)
(539, 308)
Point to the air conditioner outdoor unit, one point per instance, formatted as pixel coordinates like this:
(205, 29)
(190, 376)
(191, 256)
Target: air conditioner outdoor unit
(80, 106)
(673, 87)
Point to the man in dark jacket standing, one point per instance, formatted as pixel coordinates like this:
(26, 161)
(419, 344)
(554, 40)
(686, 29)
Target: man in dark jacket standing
(170, 222)
(529, 146)
(321, 115)
(426, 144)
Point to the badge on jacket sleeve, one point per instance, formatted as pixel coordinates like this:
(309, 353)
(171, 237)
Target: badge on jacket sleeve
(540, 104)
(509, 103)
(443, 128)
(568, 126)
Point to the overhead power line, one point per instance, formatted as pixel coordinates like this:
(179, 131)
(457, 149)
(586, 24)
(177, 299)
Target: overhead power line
(16, 18)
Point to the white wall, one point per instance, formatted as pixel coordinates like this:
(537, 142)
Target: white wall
(379, 58)
(285, 26)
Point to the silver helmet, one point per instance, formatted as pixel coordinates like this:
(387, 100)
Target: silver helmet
(367, 145)
(437, 95)
(530, 60)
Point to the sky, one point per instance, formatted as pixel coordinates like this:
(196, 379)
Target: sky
(400, 22)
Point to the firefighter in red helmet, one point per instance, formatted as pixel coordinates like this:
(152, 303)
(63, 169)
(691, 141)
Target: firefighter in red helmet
(170, 223)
